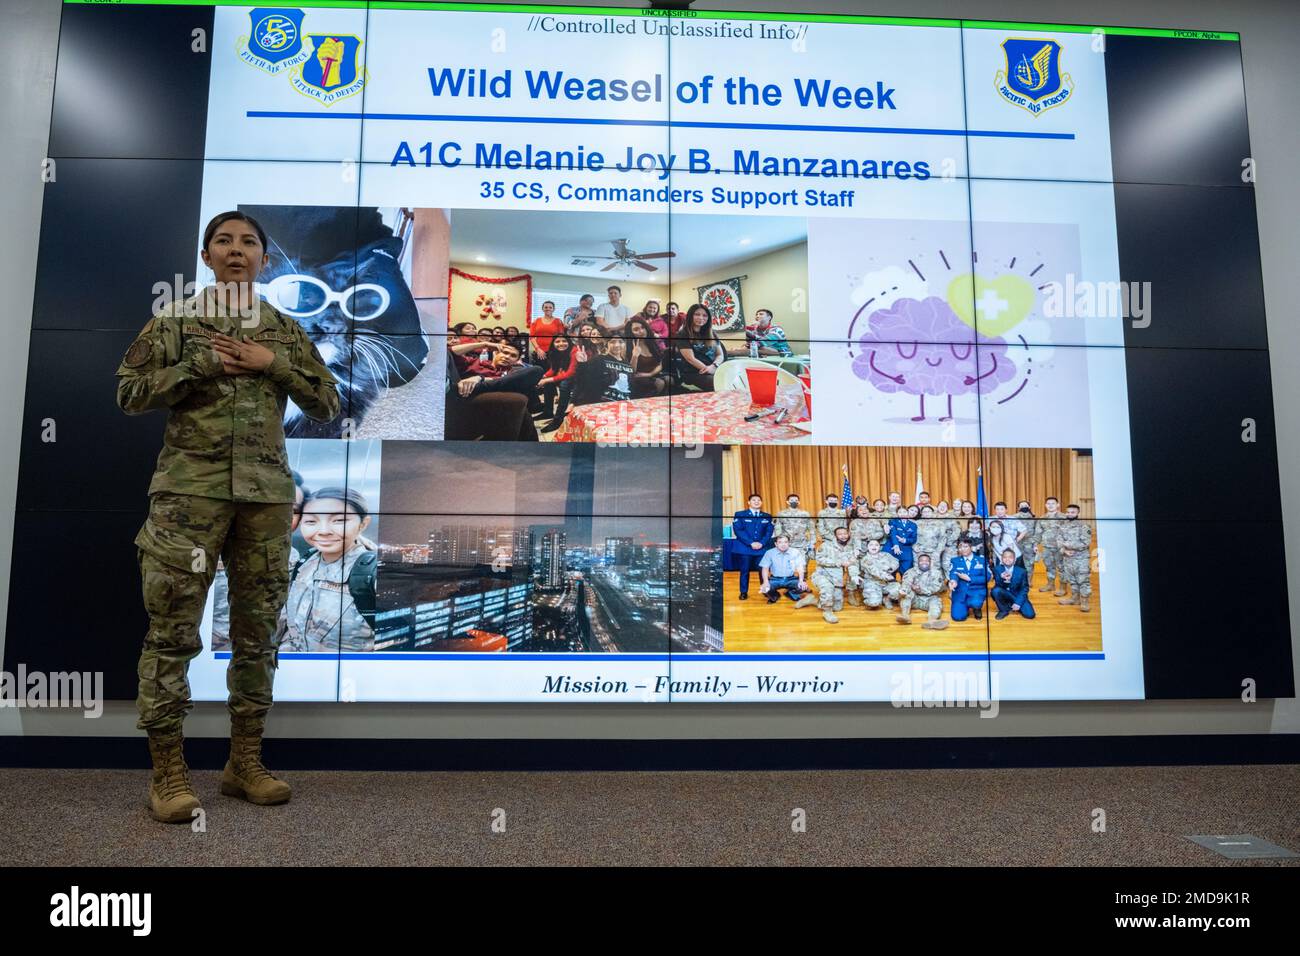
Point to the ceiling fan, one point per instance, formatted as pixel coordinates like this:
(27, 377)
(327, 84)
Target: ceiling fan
(628, 257)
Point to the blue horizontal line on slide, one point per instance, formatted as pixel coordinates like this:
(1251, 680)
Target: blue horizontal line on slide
(674, 124)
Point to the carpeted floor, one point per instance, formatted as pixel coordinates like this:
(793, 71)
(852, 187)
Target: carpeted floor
(937, 817)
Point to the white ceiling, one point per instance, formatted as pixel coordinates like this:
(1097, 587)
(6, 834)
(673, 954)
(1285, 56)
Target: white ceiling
(548, 241)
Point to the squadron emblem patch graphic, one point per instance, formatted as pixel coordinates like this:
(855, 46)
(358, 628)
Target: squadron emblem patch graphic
(274, 41)
(1033, 79)
(138, 353)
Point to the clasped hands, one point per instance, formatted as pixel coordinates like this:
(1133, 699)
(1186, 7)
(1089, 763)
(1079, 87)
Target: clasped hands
(241, 358)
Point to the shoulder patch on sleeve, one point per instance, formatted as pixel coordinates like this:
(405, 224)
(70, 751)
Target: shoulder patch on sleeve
(138, 353)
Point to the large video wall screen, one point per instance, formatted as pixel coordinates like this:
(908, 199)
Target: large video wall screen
(705, 357)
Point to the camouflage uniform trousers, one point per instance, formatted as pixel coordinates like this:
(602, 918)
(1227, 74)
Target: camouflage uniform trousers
(177, 553)
(1076, 571)
(932, 583)
(1030, 552)
(830, 588)
(1053, 563)
(874, 591)
(929, 603)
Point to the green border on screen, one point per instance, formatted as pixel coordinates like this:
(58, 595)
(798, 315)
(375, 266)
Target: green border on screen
(692, 15)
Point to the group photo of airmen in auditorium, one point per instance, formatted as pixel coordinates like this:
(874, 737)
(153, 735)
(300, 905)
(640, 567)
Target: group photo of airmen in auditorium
(904, 557)
(839, 557)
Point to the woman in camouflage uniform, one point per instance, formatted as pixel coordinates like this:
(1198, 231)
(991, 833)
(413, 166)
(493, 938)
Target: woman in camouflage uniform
(222, 364)
(322, 611)
(862, 528)
(877, 569)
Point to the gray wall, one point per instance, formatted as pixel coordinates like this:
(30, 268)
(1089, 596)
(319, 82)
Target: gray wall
(1270, 36)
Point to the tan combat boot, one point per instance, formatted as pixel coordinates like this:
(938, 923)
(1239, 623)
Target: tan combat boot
(245, 775)
(171, 794)
(935, 625)
(903, 618)
(853, 598)
(1068, 601)
(829, 617)
(1083, 604)
(806, 601)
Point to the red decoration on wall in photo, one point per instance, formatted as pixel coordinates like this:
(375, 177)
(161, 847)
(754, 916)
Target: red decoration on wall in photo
(488, 300)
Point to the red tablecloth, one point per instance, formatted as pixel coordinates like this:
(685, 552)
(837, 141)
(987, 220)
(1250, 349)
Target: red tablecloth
(693, 418)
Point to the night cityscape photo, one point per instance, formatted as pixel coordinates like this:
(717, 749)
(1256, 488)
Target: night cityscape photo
(547, 548)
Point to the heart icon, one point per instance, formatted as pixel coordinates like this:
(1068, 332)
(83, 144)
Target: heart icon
(1000, 304)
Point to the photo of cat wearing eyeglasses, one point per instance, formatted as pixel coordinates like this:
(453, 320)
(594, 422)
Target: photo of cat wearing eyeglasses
(338, 272)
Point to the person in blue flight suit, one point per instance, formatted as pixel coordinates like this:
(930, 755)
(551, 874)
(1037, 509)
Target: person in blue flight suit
(968, 582)
(1011, 587)
(753, 528)
(902, 535)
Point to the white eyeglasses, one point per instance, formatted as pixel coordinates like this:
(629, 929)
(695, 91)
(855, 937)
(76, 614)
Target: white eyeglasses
(303, 296)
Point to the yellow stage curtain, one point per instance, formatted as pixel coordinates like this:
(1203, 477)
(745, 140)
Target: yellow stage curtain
(812, 471)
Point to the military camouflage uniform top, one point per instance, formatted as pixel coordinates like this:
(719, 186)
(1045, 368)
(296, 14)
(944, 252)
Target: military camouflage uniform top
(797, 525)
(1033, 534)
(924, 583)
(930, 535)
(858, 533)
(321, 613)
(828, 519)
(879, 566)
(862, 530)
(951, 534)
(1047, 528)
(225, 433)
(834, 559)
(1076, 535)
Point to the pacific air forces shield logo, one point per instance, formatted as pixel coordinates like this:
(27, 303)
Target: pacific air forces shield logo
(333, 70)
(1033, 79)
(274, 41)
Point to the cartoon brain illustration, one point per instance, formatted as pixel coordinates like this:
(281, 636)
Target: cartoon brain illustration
(920, 347)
